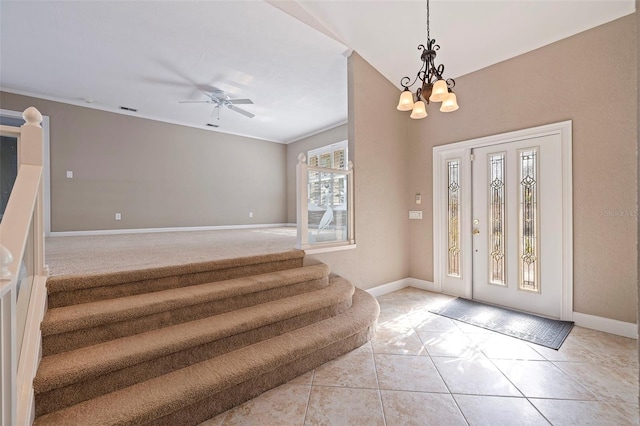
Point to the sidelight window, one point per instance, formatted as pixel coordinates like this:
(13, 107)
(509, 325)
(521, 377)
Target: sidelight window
(528, 217)
(497, 225)
(453, 222)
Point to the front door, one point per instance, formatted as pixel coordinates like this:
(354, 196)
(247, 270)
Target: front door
(517, 225)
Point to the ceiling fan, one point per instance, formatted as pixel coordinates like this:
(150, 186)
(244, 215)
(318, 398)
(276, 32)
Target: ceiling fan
(221, 99)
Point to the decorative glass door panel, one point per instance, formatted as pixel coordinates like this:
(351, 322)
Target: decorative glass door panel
(497, 228)
(528, 221)
(453, 214)
(517, 225)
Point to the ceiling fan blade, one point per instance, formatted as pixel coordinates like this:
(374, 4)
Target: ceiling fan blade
(240, 101)
(241, 111)
(194, 102)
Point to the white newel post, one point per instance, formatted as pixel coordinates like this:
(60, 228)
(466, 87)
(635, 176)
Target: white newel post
(30, 146)
(32, 152)
(302, 201)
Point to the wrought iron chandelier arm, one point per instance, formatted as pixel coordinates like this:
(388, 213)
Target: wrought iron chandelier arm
(451, 83)
(404, 82)
(438, 71)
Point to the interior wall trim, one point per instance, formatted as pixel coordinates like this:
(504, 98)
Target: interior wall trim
(151, 230)
(84, 104)
(607, 325)
(399, 285)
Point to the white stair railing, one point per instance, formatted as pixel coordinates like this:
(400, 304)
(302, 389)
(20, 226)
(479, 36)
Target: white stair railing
(22, 284)
(325, 208)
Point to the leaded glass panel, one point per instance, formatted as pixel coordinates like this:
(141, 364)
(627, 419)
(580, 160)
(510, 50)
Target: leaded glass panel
(528, 211)
(453, 222)
(497, 225)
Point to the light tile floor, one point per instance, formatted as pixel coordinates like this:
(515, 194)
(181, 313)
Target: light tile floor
(424, 369)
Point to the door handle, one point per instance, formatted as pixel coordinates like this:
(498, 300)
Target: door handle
(476, 222)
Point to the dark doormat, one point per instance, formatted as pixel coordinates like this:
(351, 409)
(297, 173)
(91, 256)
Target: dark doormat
(531, 328)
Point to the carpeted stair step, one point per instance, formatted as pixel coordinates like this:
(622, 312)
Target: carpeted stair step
(73, 289)
(71, 377)
(76, 326)
(193, 394)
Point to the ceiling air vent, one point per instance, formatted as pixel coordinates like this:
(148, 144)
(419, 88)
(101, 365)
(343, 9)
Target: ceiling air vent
(128, 109)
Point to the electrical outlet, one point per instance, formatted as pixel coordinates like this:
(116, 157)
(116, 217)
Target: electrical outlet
(250, 214)
(118, 216)
(69, 174)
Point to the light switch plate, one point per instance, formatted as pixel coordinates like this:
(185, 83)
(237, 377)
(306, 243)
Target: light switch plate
(69, 174)
(415, 214)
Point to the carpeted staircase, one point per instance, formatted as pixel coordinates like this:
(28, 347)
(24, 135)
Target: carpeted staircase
(179, 345)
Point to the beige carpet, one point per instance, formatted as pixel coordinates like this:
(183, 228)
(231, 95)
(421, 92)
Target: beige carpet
(179, 345)
(111, 253)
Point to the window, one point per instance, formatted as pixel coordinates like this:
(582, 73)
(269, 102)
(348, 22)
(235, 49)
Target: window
(327, 189)
(453, 212)
(497, 226)
(528, 212)
(329, 157)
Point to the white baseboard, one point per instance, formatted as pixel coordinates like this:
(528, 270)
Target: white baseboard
(151, 230)
(399, 285)
(620, 328)
(421, 284)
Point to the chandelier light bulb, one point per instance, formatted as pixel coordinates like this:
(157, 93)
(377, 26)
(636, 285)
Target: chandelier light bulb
(419, 110)
(406, 101)
(450, 104)
(439, 92)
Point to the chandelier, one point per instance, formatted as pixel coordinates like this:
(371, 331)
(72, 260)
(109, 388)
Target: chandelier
(433, 87)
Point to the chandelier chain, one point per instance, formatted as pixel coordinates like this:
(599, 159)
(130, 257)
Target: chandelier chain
(428, 35)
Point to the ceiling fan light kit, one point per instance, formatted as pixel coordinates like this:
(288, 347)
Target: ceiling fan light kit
(433, 86)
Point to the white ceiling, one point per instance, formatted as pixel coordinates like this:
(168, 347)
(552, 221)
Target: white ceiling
(150, 55)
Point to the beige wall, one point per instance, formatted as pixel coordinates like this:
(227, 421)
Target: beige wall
(155, 174)
(328, 137)
(637, 146)
(591, 79)
(378, 148)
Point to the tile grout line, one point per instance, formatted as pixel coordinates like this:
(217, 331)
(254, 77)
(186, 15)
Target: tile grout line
(375, 369)
(442, 378)
(306, 410)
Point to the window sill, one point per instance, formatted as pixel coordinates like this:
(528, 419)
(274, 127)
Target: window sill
(326, 248)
